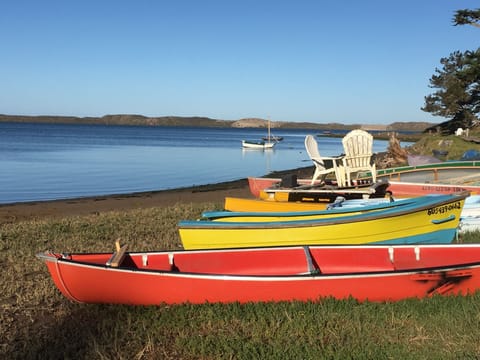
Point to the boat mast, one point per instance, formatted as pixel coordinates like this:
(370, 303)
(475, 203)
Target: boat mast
(268, 124)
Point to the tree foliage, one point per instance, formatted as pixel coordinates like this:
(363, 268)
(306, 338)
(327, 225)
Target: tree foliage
(457, 83)
(467, 17)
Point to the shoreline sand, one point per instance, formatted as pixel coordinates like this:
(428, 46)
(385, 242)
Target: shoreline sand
(11, 213)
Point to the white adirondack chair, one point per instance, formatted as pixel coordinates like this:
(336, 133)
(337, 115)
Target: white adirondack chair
(358, 145)
(320, 169)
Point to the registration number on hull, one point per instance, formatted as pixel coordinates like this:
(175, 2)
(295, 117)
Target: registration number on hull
(444, 208)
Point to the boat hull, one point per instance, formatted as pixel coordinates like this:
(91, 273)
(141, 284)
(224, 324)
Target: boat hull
(374, 273)
(455, 172)
(405, 181)
(261, 145)
(431, 219)
(408, 189)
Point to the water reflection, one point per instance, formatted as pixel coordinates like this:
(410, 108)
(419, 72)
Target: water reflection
(266, 154)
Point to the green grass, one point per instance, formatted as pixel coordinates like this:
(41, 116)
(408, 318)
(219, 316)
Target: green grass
(455, 145)
(37, 322)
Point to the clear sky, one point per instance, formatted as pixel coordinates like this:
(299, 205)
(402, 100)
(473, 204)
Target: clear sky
(346, 61)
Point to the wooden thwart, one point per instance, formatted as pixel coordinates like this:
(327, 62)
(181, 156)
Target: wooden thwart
(118, 255)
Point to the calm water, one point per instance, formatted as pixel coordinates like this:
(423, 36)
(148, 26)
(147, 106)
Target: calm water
(54, 161)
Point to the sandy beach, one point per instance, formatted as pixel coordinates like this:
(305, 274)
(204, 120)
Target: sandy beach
(10, 213)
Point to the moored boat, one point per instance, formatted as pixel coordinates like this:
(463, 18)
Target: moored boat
(268, 143)
(259, 145)
(427, 219)
(373, 273)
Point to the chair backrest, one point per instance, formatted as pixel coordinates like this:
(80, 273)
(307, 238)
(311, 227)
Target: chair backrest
(312, 149)
(358, 147)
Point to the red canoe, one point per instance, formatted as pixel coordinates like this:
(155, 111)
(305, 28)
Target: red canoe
(375, 273)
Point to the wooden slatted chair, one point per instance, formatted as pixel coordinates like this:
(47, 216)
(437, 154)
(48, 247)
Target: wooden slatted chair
(321, 170)
(358, 147)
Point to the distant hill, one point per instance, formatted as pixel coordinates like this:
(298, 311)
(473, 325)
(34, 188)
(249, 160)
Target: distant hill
(122, 119)
(132, 119)
(409, 126)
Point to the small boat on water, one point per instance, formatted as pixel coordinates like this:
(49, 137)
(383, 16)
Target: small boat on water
(259, 145)
(268, 143)
(310, 273)
(427, 219)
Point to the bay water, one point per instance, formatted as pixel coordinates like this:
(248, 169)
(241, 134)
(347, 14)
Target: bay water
(40, 161)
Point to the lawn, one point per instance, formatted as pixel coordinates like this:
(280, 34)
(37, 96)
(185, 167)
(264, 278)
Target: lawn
(37, 322)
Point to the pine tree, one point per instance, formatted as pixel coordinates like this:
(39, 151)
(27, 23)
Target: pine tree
(458, 83)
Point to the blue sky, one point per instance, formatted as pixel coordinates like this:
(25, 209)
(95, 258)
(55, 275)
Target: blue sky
(345, 61)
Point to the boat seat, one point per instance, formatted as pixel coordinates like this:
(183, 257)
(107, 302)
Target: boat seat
(118, 255)
(171, 262)
(313, 268)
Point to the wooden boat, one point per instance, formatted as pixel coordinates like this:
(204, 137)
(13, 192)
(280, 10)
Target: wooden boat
(407, 189)
(427, 219)
(469, 217)
(451, 176)
(440, 178)
(449, 172)
(242, 204)
(233, 204)
(373, 273)
(325, 194)
(258, 184)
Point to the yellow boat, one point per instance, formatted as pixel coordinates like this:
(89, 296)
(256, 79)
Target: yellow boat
(241, 204)
(257, 205)
(426, 219)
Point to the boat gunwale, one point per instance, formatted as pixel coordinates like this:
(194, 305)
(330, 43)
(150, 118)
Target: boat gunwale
(238, 277)
(432, 167)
